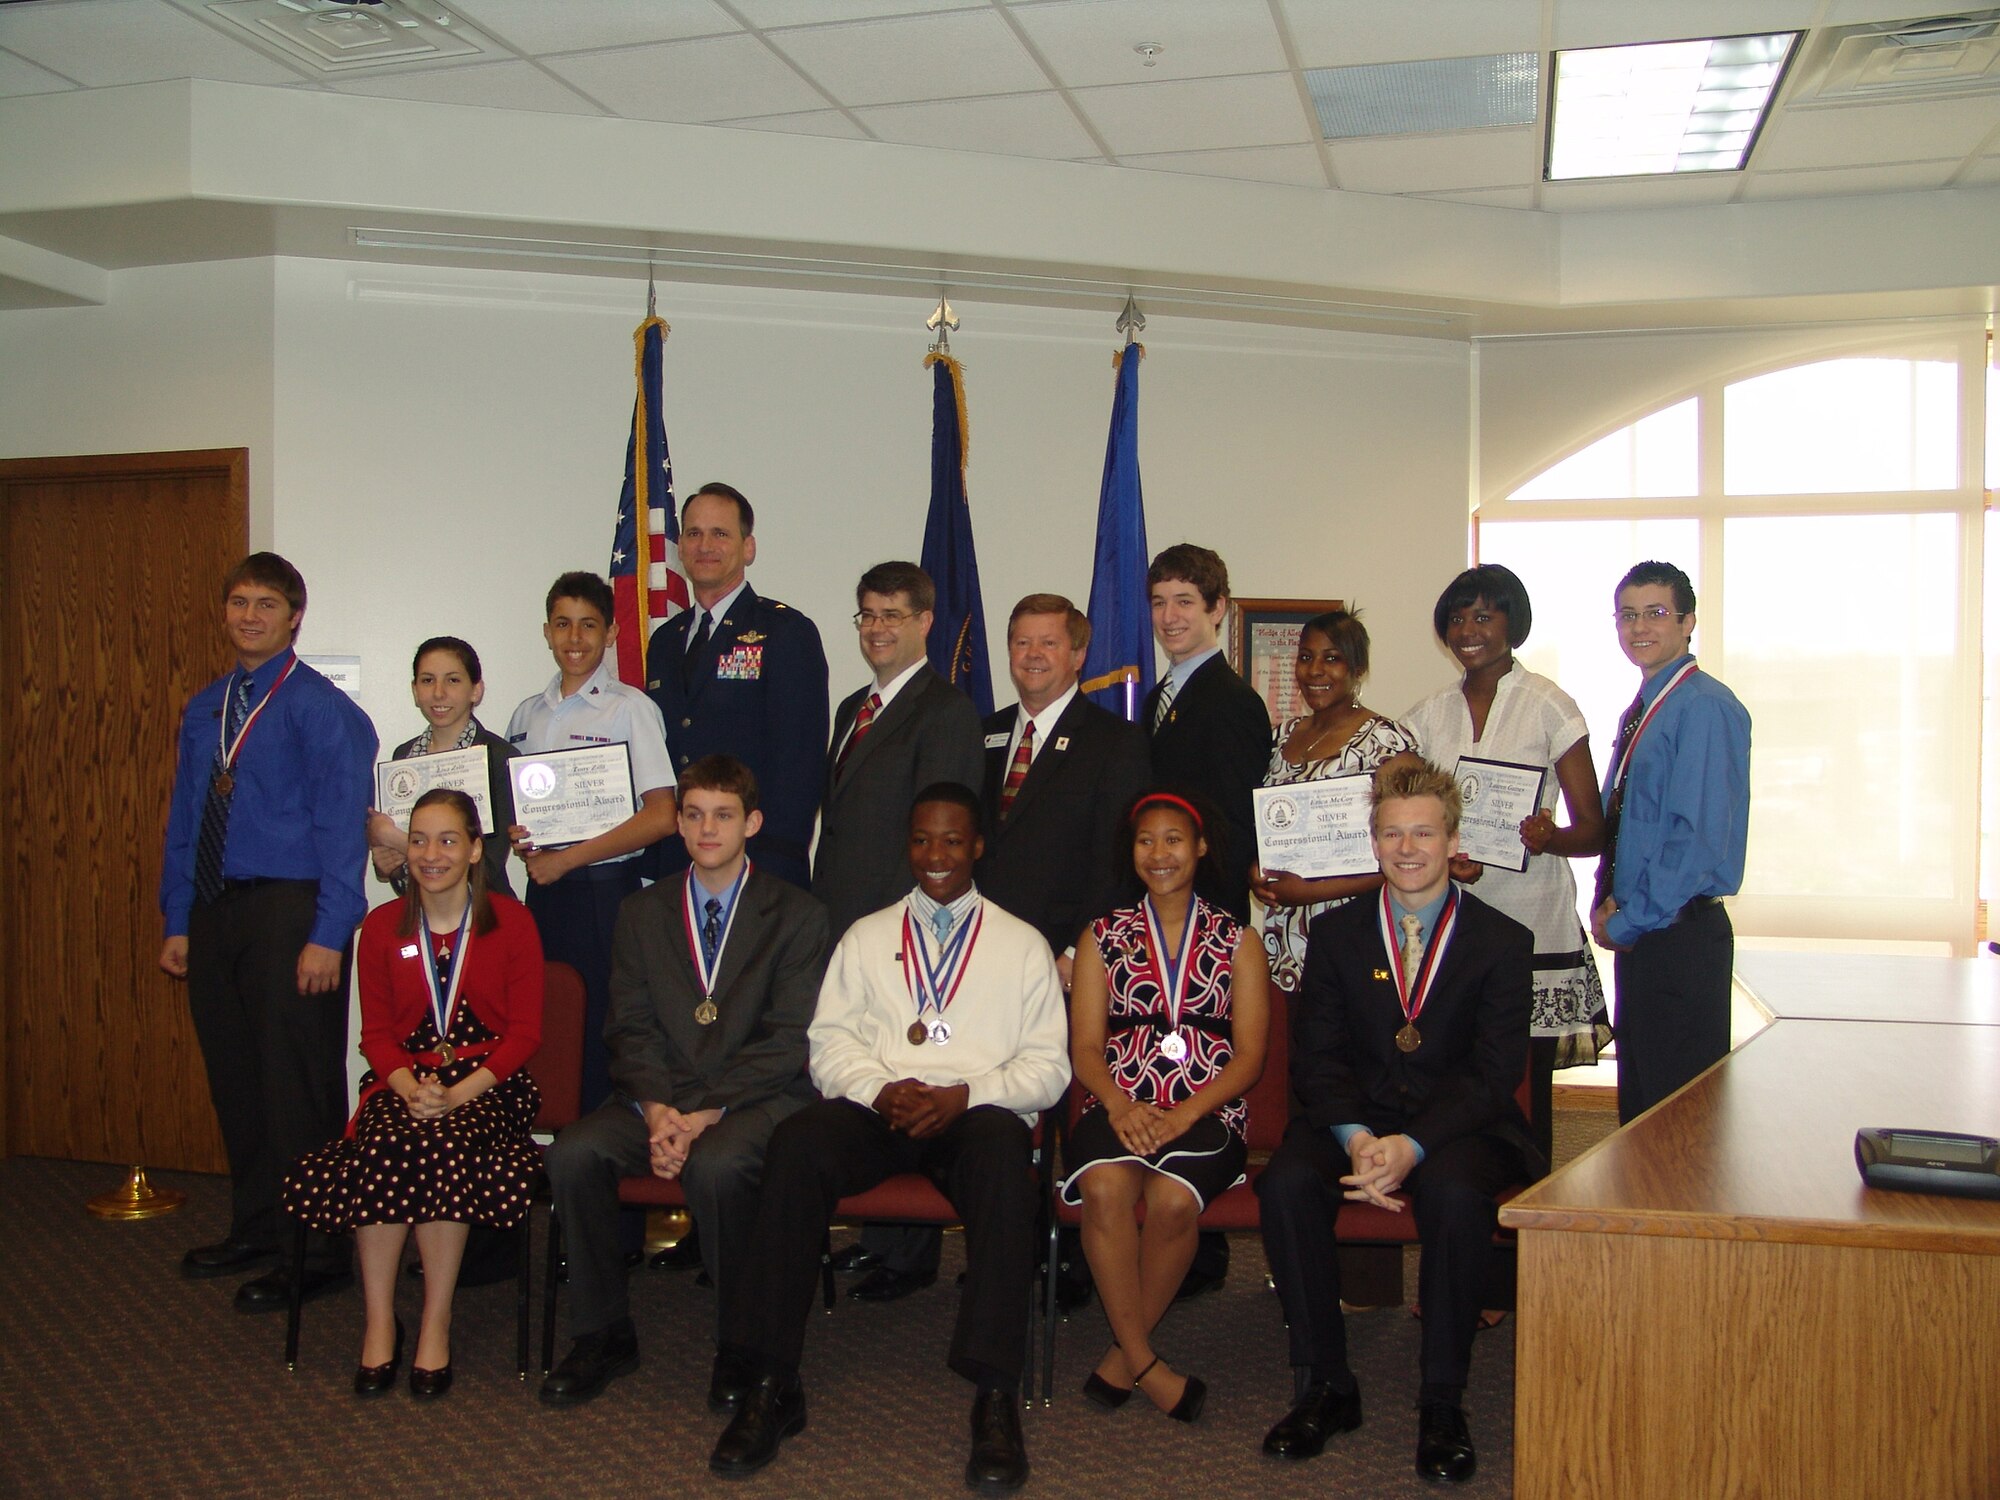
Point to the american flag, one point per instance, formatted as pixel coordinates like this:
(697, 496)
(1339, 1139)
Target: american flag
(648, 492)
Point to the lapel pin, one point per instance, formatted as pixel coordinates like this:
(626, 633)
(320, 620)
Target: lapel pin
(1062, 743)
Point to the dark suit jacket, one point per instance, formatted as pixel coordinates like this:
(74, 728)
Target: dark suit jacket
(1060, 857)
(757, 692)
(1346, 1069)
(929, 732)
(765, 993)
(1216, 743)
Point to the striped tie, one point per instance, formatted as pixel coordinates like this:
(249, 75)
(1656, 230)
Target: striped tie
(1166, 702)
(861, 722)
(1017, 769)
(212, 837)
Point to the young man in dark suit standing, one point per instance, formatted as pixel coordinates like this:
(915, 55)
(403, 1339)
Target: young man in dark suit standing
(713, 981)
(1211, 737)
(1409, 1040)
(738, 674)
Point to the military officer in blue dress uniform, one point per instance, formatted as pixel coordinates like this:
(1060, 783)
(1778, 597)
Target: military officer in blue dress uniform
(738, 674)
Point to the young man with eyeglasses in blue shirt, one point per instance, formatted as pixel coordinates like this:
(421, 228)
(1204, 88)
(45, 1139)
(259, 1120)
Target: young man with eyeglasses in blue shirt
(1677, 818)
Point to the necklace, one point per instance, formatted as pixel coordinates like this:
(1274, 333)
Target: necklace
(1354, 706)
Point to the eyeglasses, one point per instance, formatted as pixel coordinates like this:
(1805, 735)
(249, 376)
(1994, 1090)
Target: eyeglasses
(893, 618)
(1652, 614)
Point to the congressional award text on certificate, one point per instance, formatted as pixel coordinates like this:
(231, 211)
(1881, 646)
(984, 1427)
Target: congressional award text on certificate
(398, 783)
(567, 796)
(1315, 829)
(1497, 796)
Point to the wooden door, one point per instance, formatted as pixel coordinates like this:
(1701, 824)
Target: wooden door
(110, 578)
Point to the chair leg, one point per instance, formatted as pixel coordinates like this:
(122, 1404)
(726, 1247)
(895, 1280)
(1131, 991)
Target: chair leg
(552, 1261)
(297, 1296)
(1049, 1320)
(524, 1274)
(826, 1271)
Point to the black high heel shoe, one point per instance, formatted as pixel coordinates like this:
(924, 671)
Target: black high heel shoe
(1193, 1395)
(427, 1384)
(373, 1380)
(1102, 1394)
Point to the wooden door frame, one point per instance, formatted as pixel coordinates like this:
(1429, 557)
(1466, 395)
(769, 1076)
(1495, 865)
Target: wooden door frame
(234, 465)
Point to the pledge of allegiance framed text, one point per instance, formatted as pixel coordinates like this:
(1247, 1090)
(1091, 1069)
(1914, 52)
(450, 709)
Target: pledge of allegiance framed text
(1262, 642)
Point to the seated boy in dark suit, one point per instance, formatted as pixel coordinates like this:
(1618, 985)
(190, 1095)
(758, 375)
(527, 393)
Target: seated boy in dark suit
(713, 981)
(1409, 1040)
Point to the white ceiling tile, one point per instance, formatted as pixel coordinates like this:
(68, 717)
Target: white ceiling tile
(1506, 197)
(19, 76)
(1039, 125)
(1841, 182)
(1592, 23)
(1865, 134)
(925, 57)
(131, 41)
(508, 85)
(536, 27)
(813, 122)
(1858, 12)
(1370, 31)
(1983, 173)
(1294, 166)
(1198, 114)
(1686, 190)
(726, 78)
(1438, 163)
(769, 13)
(1091, 43)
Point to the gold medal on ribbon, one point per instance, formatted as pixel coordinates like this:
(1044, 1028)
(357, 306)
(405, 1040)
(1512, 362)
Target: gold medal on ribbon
(705, 1013)
(917, 1033)
(1409, 1038)
(225, 783)
(447, 1054)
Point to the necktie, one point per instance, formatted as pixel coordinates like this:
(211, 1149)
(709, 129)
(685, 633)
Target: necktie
(1627, 727)
(711, 931)
(861, 722)
(1017, 769)
(1166, 702)
(213, 836)
(941, 924)
(1413, 950)
(697, 638)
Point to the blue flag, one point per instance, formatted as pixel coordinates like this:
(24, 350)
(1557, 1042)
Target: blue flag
(958, 625)
(1118, 672)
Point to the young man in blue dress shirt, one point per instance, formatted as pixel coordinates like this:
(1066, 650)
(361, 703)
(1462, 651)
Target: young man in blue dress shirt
(261, 892)
(1677, 817)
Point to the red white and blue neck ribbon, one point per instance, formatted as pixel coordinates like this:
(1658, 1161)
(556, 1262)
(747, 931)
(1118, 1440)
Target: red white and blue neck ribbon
(227, 749)
(933, 986)
(704, 975)
(444, 997)
(1170, 971)
(1625, 759)
(1412, 990)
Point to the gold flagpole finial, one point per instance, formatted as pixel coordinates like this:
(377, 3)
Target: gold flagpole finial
(944, 323)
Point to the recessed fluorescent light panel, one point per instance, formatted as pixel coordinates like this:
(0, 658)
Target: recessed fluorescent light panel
(1424, 98)
(1663, 106)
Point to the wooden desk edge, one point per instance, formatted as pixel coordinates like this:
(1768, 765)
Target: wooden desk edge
(1683, 1224)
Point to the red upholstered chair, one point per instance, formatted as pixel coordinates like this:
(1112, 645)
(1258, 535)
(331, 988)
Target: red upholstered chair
(557, 1068)
(1235, 1209)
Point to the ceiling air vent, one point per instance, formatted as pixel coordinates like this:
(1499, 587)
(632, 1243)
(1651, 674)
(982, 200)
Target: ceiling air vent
(1940, 57)
(332, 37)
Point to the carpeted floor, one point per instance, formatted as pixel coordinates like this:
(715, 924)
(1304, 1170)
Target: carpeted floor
(118, 1377)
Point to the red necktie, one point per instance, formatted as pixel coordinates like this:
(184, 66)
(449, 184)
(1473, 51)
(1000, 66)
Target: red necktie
(861, 722)
(1017, 769)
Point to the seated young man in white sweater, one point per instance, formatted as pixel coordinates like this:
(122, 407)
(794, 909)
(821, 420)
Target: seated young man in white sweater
(939, 1037)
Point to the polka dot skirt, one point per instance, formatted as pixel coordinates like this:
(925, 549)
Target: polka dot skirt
(474, 1165)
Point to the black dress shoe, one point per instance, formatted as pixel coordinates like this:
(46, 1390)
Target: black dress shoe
(999, 1461)
(730, 1377)
(850, 1258)
(772, 1409)
(885, 1285)
(272, 1292)
(224, 1259)
(427, 1385)
(373, 1380)
(1322, 1411)
(1444, 1442)
(593, 1362)
(684, 1255)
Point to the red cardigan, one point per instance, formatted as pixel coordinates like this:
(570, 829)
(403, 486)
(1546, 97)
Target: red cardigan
(503, 986)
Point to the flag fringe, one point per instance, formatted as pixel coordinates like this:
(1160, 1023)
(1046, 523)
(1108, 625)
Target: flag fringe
(1118, 359)
(957, 373)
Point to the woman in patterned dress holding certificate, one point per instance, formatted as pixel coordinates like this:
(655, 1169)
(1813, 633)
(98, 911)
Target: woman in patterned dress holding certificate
(451, 1007)
(1336, 736)
(447, 687)
(1167, 1030)
(1502, 711)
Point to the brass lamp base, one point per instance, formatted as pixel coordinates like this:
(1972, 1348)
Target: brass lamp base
(136, 1200)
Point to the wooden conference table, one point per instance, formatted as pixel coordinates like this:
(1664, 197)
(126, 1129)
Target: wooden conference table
(1711, 1303)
